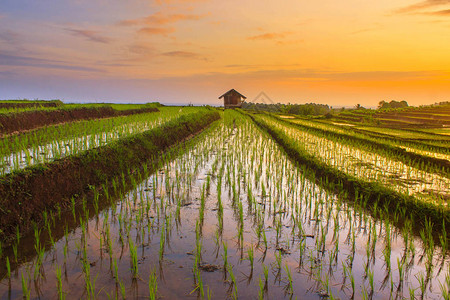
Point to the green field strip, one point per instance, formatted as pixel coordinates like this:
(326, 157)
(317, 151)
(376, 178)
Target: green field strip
(60, 132)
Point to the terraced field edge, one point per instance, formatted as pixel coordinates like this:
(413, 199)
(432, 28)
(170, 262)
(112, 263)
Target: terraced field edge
(25, 194)
(17, 122)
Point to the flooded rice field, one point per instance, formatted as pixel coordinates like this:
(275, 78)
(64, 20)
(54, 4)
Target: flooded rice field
(27, 151)
(228, 217)
(370, 166)
(343, 128)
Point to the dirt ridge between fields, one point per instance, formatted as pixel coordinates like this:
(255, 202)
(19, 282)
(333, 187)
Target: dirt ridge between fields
(23, 121)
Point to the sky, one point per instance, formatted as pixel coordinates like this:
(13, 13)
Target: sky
(340, 53)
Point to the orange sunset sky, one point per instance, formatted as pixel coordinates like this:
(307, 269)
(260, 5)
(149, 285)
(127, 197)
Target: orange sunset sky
(191, 51)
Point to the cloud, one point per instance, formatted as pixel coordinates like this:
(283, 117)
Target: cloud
(140, 49)
(115, 64)
(444, 12)
(7, 74)
(9, 36)
(383, 75)
(156, 30)
(364, 30)
(307, 75)
(422, 5)
(160, 18)
(89, 35)
(26, 61)
(184, 54)
(268, 36)
(158, 22)
(258, 66)
(160, 2)
(237, 66)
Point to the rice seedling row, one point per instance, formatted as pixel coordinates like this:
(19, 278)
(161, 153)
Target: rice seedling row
(421, 156)
(366, 165)
(415, 139)
(56, 142)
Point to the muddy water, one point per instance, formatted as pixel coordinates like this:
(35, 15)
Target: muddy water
(236, 190)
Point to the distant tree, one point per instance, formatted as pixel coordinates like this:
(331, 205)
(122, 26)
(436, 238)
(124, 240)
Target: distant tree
(308, 109)
(382, 104)
(393, 104)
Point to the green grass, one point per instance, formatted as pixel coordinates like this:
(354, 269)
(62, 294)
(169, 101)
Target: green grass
(69, 106)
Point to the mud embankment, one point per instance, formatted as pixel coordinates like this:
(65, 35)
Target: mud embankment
(18, 122)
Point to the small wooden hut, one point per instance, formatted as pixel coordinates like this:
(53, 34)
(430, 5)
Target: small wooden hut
(232, 99)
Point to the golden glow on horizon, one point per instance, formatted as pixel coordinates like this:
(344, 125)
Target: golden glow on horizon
(330, 52)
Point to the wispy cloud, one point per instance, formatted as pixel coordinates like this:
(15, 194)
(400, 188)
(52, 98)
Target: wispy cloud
(9, 36)
(140, 49)
(259, 66)
(89, 35)
(444, 12)
(159, 22)
(26, 61)
(268, 36)
(297, 75)
(160, 18)
(160, 2)
(383, 75)
(112, 64)
(184, 54)
(7, 74)
(373, 27)
(156, 30)
(422, 5)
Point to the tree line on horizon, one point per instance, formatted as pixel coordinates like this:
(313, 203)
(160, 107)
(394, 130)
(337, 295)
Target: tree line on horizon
(315, 109)
(308, 109)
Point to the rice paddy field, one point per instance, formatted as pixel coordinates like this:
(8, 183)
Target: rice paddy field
(252, 206)
(55, 142)
(418, 118)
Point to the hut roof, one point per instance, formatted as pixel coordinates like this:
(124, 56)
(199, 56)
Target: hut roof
(230, 91)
